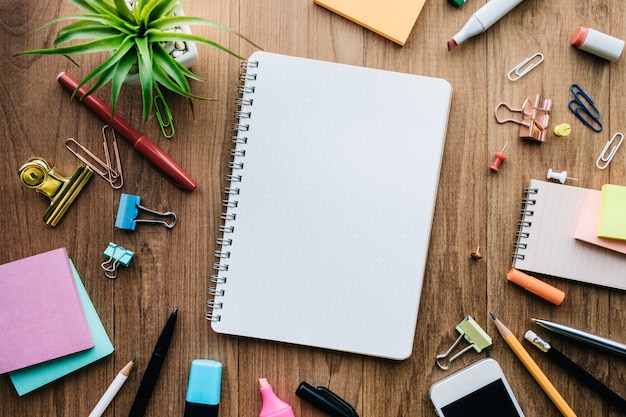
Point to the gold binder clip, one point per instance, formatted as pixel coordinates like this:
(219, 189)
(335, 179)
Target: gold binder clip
(37, 174)
(535, 113)
(473, 333)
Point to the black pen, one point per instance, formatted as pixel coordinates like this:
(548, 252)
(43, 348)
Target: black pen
(151, 375)
(580, 373)
(325, 400)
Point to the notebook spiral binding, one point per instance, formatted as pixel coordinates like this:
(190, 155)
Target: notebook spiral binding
(230, 203)
(524, 222)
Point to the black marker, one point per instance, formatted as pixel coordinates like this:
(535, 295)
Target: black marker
(154, 368)
(325, 400)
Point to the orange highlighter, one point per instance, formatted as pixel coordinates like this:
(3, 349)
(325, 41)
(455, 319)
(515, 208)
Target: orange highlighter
(536, 286)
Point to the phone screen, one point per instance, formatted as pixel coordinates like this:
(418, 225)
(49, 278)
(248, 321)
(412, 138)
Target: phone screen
(492, 400)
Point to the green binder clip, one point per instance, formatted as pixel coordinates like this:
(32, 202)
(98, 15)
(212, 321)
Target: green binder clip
(37, 174)
(473, 333)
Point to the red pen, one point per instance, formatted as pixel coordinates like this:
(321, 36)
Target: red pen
(148, 149)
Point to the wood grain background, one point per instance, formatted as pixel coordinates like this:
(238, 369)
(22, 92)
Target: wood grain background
(475, 207)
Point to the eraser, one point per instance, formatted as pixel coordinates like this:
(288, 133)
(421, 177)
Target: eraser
(536, 286)
(203, 388)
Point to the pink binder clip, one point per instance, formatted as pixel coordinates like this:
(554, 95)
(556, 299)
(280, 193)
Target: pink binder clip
(535, 113)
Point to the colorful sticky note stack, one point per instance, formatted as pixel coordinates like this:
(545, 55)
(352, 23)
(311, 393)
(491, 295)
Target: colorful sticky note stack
(612, 216)
(48, 324)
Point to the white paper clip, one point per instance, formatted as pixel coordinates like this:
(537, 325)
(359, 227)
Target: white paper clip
(604, 159)
(473, 333)
(525, 66)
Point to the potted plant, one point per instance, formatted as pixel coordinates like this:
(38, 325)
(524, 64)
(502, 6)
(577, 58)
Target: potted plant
(137, 34)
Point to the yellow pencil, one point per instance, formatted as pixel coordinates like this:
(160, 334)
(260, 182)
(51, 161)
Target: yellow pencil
(533, 368)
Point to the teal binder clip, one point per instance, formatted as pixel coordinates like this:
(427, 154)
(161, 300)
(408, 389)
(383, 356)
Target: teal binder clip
(473, 333)
(128, 211)
(116, 255)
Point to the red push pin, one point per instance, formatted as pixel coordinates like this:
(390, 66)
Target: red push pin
(499, 158)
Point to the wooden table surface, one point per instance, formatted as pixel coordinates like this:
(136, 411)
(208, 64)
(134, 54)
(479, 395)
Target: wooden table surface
(475, 207)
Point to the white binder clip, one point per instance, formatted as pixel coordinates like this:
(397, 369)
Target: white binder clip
(473, 333)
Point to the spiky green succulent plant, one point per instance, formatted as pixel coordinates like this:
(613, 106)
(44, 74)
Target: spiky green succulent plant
(135, 33)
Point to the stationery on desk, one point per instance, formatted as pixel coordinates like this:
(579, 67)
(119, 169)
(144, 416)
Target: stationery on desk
(533, 368)
(28, 379)
(329, 211)
(151, 375)
(148, 149)
(393, 19)
(545, 241)
(39, 299)
(587, 226)
(575, 369)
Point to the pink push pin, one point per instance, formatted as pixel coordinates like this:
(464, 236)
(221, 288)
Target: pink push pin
(499, 157)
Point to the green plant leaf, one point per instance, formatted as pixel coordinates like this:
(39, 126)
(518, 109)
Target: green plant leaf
(119, 24)
(173, 68)
(99, 45)
(176, 36)
(119, 53)
(145, 75)
(83, 30)
(124, 11)
(99, 7)
(120, 72)
(164, 8)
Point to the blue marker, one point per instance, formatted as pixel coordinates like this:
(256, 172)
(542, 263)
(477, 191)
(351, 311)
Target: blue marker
(203, 388)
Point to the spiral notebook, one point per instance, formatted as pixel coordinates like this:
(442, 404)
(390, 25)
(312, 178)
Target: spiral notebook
(329, 210)
(546, 241)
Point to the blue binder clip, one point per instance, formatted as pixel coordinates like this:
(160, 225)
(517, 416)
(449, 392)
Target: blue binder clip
(129, 209)
(115, 255)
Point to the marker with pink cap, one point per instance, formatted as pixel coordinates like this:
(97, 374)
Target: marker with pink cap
(272, 405)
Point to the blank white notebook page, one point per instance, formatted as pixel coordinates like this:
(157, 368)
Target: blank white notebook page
(547, 244)
(328, 241)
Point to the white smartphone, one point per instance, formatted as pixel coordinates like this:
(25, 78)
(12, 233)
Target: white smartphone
(480, 389)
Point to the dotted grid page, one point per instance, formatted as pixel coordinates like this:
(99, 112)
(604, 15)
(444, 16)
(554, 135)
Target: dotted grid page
(335, 206)
(551, 247)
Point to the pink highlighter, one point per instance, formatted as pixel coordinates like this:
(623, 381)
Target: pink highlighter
(272, 405)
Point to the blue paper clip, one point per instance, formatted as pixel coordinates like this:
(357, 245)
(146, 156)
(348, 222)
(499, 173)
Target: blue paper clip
(115, 255)
(129, 209)
(582, 106)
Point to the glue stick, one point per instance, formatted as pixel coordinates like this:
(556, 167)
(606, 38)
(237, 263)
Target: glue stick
(598, 43)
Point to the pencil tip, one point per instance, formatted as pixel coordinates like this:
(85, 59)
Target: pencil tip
(493, 316)
(133, 359)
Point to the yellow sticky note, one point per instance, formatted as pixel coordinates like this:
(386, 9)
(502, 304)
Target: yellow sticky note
(612, 218)
(393, 19)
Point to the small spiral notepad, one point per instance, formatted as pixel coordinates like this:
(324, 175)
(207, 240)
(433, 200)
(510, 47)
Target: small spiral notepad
(546, 242)
(327, 217)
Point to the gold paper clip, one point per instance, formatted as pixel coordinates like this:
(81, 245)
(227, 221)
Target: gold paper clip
(525, 66)
(167, 127)
(37, 174)
(111, 174)
(604, 160)
(535, 117)
(473, 333)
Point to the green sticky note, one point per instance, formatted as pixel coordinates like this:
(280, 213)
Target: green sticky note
(612, 217)
(29, 379)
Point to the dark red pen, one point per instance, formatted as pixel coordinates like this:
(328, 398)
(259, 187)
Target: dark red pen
(148, 149)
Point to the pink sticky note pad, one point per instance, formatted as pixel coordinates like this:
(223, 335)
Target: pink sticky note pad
(587, 227)
(41, 315)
